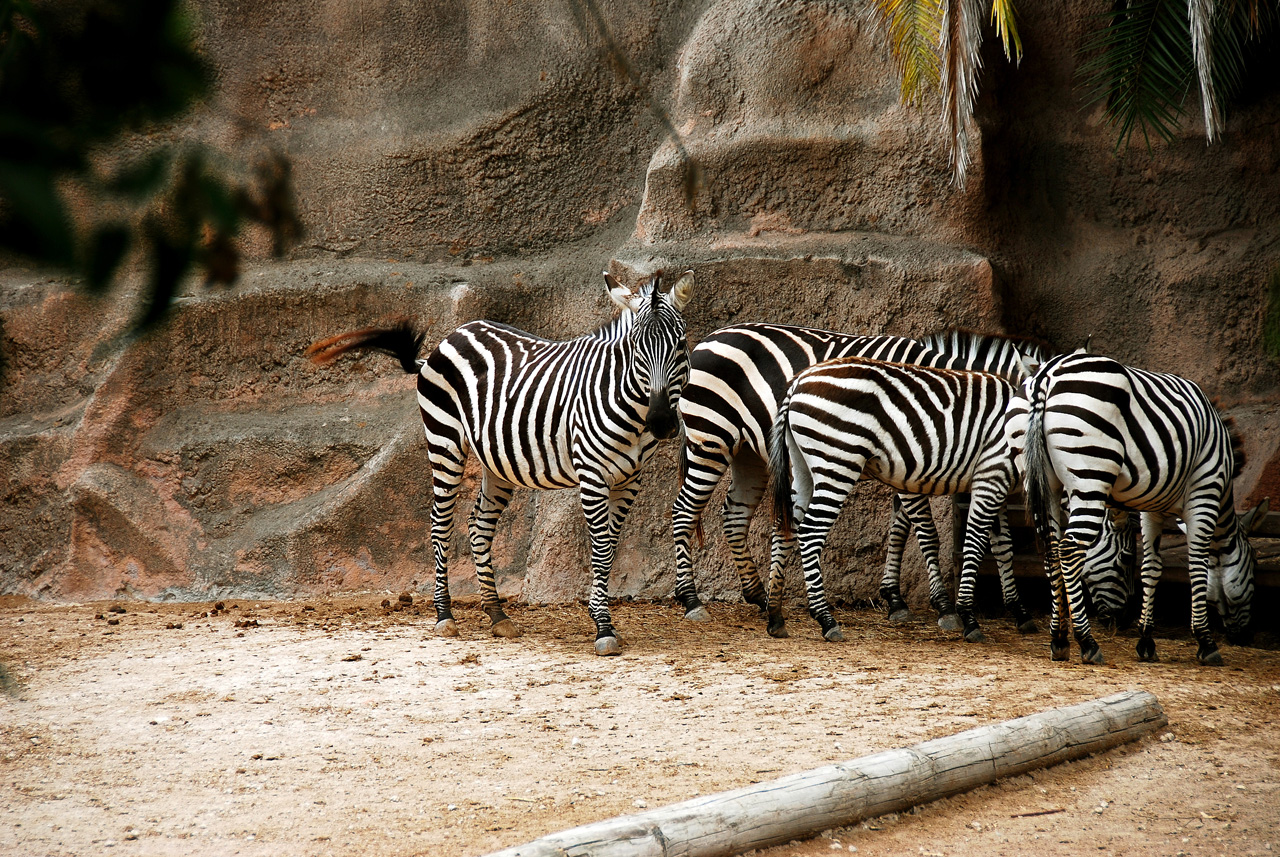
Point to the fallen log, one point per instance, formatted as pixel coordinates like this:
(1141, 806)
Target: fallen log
(804, 804)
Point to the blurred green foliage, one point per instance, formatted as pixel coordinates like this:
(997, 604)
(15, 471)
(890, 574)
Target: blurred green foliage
(85, 89)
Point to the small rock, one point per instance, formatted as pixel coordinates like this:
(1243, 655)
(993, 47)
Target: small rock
(116, 608)
(976, 825)
(1166, 738)
(113, 621)
(386, 602)
(639, 804)
(221, 605)
(405, 598)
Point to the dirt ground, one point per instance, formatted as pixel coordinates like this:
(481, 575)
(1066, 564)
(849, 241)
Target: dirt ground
(340, 726)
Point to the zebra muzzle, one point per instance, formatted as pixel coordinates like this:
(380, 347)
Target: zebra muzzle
(662, 421)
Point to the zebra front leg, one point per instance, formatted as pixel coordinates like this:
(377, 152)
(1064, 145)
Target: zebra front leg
(1152, 567)
(891, 581)
(701, 473)
(598, 505)
(1002, 552)
(495, 494)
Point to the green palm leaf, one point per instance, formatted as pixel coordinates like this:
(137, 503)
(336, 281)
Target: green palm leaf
(1141, 67)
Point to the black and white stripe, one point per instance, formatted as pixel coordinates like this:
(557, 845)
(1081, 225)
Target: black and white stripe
(1104, 433)
(543, 414)
(738, 376)
(918, 429)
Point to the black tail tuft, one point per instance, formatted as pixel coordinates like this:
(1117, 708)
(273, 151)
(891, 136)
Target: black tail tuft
(1039, 492)
(400, 341)
(780, 475)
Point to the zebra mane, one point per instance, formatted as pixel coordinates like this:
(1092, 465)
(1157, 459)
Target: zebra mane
(624, 319)
(962, 340)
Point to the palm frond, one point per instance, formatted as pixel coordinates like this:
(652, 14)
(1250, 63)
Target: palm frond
(913, 30)
(1201, 16)
(961, 40)
(1006, 24)
(1141, 66)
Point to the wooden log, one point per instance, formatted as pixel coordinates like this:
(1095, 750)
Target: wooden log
(804, 804)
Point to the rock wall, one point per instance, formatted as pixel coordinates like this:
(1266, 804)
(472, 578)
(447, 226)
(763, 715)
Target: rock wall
(473, 160)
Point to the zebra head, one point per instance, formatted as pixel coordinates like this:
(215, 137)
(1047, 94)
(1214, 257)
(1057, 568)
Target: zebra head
(1231, 583)
(1110, 567)
(660, 359)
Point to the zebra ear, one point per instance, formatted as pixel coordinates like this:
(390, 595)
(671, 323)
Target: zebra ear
(620, 294)
(682, 290)
(1252, 519)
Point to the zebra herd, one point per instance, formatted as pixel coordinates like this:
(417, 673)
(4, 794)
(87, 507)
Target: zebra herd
(812, 412)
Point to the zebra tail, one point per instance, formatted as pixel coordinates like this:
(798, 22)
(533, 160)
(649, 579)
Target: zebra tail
(1039, 492)
(401, 341)
(780, 474)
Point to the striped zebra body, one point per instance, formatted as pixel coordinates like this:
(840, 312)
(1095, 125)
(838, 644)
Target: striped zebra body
(918, 429)
(1104, 433)
(738, 376)
(543, 414)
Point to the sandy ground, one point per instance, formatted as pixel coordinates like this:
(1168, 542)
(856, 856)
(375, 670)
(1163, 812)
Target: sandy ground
(339, 726)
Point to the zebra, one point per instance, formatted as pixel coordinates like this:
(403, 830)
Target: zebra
(1105, 433)
(738, 375)
(918, 429)
(540, 414)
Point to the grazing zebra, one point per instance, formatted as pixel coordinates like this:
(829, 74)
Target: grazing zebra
(918, 429)
(542, 414)
(1106, 433)
(1111, 569)
(738, 375)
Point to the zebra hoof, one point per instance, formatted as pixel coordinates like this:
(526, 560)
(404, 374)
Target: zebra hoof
(897, 617)
(833, 635)
(779, 631)
(505, 628)
(1210, 658)
(1092, 656)
(949, 622)
(446, 628)
(1059, 651)
(1147, 651)
(608, 647)
(1029, 627)
(975, 636)
(698, 614)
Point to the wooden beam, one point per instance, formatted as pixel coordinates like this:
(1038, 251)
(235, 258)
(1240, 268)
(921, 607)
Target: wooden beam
(804, 804)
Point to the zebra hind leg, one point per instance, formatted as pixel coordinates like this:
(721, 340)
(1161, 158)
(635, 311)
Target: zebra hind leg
(1071, 553)
(1002, 552)
(748, 479)
(446, 477)
(891, 582)
(495, 495)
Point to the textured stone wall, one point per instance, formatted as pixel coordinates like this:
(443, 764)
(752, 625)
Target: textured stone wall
(479, 160)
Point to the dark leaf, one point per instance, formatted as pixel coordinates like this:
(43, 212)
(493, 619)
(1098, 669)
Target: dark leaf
(107, 248)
